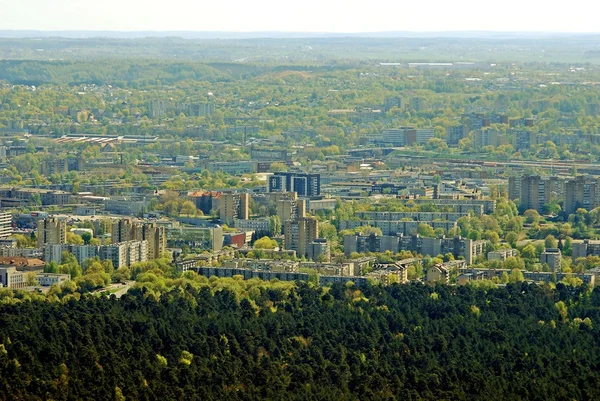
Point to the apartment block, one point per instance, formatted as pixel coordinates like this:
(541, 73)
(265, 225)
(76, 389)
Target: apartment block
(125, 230)
(51, 230)
(5, 225)
(458, 246)
(299, 233)
(552, 257)
(234, 206)
(319, 249)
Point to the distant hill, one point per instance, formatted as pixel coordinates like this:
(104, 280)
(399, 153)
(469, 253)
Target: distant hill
(274, 34)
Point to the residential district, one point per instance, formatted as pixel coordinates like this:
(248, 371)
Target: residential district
(407, 183)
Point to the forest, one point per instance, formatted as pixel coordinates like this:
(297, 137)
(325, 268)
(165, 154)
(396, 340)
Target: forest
(272, 341)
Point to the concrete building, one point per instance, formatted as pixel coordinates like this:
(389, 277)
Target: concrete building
(524, 140)
(125, 230)
(10, 277)
(51, 230)
(290, 209)
(49, 279)
(460, 247)
(299, 233)
(305, 185)
(234, 206)
(535, 192)
(455, 133)
(55, 166)
(501, 254)
(403, 136)
(585, 248)
(257, 225)
(319, 250)
(552, 257)
(5, 225)
(438, 274)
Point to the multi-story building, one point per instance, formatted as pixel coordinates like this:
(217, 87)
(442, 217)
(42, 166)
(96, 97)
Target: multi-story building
(207, 201)
(51, 230)
(55, 166)
(270, 154)
(299, 233)
(524, 140)
(535, 192)
(552, 257)
(394, 101)
(5, 225)
(290, 209)
(234, 206)
(488, 137)
(459, 247)
(126, 205)
(455, 133)
(10, 277)
(305, 185)
(585, 248)
(403, 136)
(502, 254)
(260, 226)
(319, 249)
(125, 230)
(396, 227)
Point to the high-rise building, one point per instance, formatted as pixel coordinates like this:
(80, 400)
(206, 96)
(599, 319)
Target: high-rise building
(535, 192)
(5, 225)
(51, 230)
(394, 101)
(234, 206)
(455, 133)
(524, 140)
(124, 230)
(299, 233)
(291, 209)
(305, 185)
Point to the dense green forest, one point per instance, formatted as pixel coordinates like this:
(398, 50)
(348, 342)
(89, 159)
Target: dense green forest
(397, 342)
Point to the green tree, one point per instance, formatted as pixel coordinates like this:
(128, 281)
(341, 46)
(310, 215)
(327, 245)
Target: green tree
(265, 243)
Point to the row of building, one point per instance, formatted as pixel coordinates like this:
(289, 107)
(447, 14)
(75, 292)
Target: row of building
(535, 192)
(464, 248)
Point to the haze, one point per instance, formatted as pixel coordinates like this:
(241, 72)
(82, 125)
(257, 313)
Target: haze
(306, 16)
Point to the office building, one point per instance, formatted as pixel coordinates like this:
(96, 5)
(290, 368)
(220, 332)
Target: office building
(51, 230)
(10, 277)
(305, 185)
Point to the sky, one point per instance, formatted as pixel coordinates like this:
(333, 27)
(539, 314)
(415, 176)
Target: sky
(336, 16)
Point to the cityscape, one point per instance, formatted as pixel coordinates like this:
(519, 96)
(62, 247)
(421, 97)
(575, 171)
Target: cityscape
(309, 216)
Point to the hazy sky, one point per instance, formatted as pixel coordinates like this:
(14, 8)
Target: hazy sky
(303, 15)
